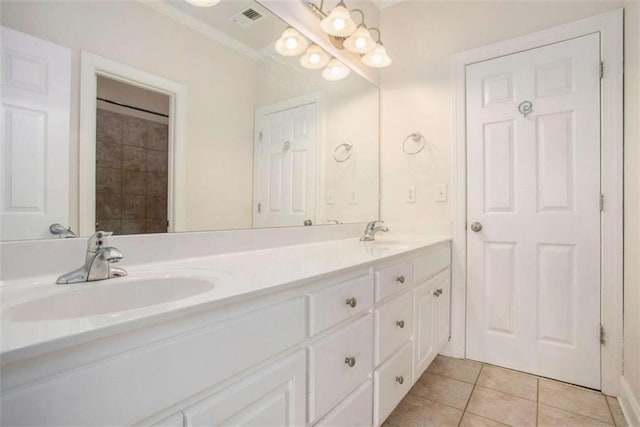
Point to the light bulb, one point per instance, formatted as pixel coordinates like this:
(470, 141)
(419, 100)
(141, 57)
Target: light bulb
(336, 70)
(339, 24)
(377, 58)
(361, 42)
(291, 43)
(314, 58)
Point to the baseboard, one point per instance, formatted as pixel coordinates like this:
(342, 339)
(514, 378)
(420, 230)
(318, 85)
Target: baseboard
(629, 404)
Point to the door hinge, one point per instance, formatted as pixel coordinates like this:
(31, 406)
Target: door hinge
(601, 69)
(602, 337)
(259, 207)
(601, 202)
(167, 224)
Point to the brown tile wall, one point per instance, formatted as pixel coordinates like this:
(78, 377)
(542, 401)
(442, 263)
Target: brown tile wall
(131, 174)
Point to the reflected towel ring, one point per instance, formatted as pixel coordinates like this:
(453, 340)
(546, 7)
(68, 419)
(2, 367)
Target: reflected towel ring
(347, 149)
(420, 141)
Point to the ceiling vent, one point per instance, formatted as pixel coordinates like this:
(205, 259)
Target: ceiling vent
(246, 17)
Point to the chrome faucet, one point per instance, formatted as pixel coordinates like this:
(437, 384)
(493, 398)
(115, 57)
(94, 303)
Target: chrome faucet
(97, 264)
(371, 230)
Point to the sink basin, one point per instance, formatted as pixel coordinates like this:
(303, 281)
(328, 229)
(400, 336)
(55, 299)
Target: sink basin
(109, 296)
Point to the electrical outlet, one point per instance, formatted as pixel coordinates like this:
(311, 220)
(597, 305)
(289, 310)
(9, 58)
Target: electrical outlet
(411, 194)
(440, 193)
(331, 197)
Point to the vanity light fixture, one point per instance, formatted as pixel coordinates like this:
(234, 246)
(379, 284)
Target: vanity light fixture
(345, 34)
(203, 3)
(335, 70)
(338, 23)
(291, 43)
(315, 58)
(378, 57)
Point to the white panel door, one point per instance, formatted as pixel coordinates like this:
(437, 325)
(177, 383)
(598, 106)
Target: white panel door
(285, 164)
(534, 185)
(34, 141)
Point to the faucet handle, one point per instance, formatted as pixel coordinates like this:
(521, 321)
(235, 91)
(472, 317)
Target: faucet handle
(98, 240)
(371, 225)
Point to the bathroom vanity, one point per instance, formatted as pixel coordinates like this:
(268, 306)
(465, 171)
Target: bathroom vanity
(327, 333)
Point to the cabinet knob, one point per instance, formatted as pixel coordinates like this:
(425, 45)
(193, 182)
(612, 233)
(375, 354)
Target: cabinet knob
(400, 380)
(400, 279)
(400, 323)
(350, 361)
(435, 293)
(352, 302)
(438, 292)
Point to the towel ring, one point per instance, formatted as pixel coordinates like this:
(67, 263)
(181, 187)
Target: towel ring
(419, 139)
(347, 149)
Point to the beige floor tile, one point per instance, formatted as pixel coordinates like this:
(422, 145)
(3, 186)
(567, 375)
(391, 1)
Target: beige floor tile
(459, 369)
(414, 411)
(507, 381)
(502, 407)
(443, 390)
(471, 420)
(574, 399)
(550, 416)
(616, 411)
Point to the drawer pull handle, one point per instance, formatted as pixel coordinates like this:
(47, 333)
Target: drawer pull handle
(352, 302)
(350, 361)
(400, 323)
(400, 380)
(400, 279)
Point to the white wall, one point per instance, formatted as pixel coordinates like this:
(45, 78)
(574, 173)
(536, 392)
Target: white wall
(421, 37)
(221, 93)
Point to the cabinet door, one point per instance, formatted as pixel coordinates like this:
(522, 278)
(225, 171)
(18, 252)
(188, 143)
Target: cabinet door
(424, 305)
(276, 396)
(443, 300)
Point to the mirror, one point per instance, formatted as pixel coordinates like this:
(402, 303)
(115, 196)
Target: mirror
(152, 117)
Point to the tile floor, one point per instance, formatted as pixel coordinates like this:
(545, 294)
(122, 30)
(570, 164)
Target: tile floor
(456, 392)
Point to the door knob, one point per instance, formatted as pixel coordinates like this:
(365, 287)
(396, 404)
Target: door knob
(476, 226)
(308, 223)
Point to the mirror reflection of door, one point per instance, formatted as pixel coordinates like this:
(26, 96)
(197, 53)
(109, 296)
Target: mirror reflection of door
(285, 164)
(132, 158)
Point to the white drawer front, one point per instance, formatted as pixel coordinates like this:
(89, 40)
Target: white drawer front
(336, 303)
(332, 378)
(392, 382)
(394, 325)
(393, 279)
(435, 260)
(354, 411)
(159, 376)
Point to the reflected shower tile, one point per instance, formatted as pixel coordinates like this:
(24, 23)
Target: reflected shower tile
(109, 126)
(157, 161)
(134, 182)
(133, 207)
(156, 226)
(108, 154)
(134, 158)
(114, 225)
(133, 226)
(108, 205)
(135, 131)
(158, 136)
(156, 207)
(108, 180)
(157, 184)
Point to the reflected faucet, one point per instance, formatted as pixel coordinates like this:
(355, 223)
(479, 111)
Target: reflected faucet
(98, 260)
(371, 230)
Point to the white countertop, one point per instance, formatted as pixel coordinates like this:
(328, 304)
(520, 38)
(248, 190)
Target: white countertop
(237, 276)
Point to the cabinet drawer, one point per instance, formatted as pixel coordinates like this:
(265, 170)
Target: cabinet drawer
(393, 279)
(393, 326)
(332, 378)
(435, 260)
(392, 382)
(336, 303)
(276, 396)
(354, 411)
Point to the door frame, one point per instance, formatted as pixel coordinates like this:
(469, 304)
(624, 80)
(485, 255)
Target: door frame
(317, 98)
(610, 27)
(93, 66)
